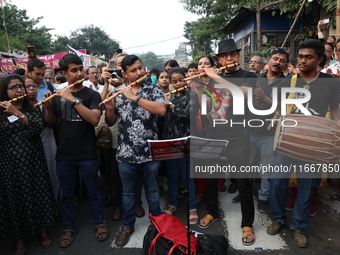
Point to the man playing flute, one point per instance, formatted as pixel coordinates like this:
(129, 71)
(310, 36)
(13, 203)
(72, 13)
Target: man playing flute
(136, 110)
(75, 112)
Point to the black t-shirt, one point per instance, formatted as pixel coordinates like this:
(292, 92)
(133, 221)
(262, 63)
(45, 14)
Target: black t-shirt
(258, 123)
(325, 91)
(235, 125)
(77, 140)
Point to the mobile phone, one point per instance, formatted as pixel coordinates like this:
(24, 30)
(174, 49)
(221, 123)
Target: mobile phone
(31, 51)
(115, 73)
(119, 51)
(325, 21)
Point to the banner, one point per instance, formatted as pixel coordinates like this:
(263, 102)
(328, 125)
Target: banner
(7, 65)
(84, 57)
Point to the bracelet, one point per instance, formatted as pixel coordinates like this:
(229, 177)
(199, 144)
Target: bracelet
(138, 98)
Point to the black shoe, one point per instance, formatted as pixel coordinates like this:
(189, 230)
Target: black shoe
(108, 201)
(232, 188)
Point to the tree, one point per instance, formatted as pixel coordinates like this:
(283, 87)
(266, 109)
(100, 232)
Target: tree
(216, 13)
(22, 31)
(151, 61)
(91, 38)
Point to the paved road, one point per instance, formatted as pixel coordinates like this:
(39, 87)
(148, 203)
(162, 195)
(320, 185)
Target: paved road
(322, 232)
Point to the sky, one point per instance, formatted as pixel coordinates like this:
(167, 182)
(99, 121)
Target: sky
(132, 23)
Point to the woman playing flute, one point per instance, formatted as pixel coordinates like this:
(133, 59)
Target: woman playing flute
(26, 197)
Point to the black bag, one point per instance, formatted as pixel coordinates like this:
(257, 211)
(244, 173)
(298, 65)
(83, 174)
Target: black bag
(212, 244)
(163, 246)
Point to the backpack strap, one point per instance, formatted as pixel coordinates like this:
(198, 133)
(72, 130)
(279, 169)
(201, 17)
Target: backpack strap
(291, 107)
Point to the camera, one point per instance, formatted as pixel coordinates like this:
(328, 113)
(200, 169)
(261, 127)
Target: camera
(115, 73)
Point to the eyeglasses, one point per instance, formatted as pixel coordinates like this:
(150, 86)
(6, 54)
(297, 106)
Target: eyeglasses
(231, 54)
(255, 62)
(31, 86)
(16, 87)
(329, 51)
(179, 81)
(338, 50)
(93, 73)
(48, 79)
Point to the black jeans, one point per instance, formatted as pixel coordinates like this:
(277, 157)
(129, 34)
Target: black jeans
(237, 153)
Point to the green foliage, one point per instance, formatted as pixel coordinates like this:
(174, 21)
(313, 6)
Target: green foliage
(264, 50)
(216, 13)
(90, 38)
(23, 31)
(151, 61)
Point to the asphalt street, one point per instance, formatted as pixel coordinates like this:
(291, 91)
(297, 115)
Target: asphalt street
(323, 233)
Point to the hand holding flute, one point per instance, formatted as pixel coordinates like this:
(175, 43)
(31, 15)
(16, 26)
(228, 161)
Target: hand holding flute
(126, 91)
(59, 92)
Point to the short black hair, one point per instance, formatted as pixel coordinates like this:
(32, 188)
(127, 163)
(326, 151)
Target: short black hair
(330, 45)
(193, 65)
(69, 59)
(87, 70)
(128, 61)
(280, 51)
(61, 78)
(20, 71)
(171, 63)
(176, 69)
(35, 62)
(313, 44)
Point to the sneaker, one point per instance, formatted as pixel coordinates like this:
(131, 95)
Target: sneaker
(299, 238)
(262, 206)
(232, 188)
(290, 205)
(236, 200)
(274, 228)
(312, 210)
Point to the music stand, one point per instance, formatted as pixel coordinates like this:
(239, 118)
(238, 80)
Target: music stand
(186, 148)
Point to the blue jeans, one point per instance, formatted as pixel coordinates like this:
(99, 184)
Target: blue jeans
(130, 174)
(177, 170)
(264, 143)
(67, 174)
(277, 193)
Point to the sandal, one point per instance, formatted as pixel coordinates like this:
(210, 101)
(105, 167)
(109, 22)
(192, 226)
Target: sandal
(206, 221)
(169, 209)
(101, 232)
(193, 217)
(247, 231)
(70, 239)
(46, 241)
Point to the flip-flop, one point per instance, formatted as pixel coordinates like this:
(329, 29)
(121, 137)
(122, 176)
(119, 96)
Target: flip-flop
(68, 238)
(207, 221)
(247, 231)
(98, 233)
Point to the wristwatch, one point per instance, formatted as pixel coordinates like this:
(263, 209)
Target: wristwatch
(75, 101)
(170, 103)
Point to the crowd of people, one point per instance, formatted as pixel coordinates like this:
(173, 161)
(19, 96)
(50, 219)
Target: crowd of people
(48, 148)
